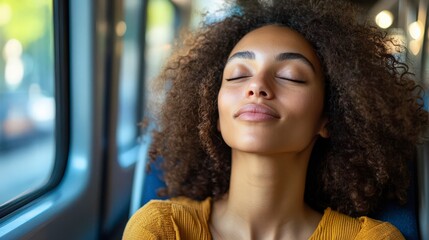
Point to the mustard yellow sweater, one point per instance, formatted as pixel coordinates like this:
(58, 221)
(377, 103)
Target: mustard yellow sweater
(186, 219)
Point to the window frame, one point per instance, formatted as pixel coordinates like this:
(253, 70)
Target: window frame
(120, 160)
(61, 83)
(423, 150)
(72, 208)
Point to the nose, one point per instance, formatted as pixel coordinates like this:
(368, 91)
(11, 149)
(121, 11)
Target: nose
(258, 87)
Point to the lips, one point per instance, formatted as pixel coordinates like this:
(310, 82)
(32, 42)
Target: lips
(256, 112)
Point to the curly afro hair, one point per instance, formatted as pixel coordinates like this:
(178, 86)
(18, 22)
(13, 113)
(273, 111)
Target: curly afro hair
(373, 104)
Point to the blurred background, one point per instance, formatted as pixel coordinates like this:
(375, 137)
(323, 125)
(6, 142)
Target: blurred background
(131, 40)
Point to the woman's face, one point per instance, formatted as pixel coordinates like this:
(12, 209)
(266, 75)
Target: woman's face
(271, 98)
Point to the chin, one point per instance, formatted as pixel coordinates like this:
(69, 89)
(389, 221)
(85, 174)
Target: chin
(265, 145)
(257, 147)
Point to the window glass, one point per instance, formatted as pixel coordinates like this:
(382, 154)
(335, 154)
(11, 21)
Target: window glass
(160, 33)
(129, 74)
(202, 6)
(162, 21)
(426, 57)
(27, 104)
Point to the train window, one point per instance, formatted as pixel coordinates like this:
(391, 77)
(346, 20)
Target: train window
(159, 35)
(202, 6)
(422, 163)
(130, 68)
(27, 103)
(163, 22)
(160, 32)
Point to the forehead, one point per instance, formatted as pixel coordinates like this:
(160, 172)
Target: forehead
(272, 39)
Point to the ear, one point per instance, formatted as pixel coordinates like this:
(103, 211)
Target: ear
(323, 132)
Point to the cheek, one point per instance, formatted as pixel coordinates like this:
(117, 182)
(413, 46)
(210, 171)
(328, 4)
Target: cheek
(226, 99)
(312, 107)
(222, 108)
(225, 123)
(315, 101)
(303, 104)
(308, 107)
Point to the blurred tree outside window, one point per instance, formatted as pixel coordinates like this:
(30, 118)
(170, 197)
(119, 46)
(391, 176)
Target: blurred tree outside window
(160, 33)
(27, 104)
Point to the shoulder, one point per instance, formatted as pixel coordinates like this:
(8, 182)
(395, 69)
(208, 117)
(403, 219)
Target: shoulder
(148, 222)
(374, 229)
(335, 225)
(167, 219)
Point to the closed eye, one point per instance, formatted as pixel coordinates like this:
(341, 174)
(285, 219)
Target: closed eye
(292, 80)
(236, 78)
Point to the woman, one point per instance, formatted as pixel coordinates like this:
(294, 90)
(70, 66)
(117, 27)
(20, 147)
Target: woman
(284, 120)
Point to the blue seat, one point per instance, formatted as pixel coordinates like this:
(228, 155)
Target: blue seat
(403, 217)
(152, 184)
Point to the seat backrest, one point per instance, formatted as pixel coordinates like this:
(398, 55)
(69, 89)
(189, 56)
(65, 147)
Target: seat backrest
(152, 184)
(403, 217)
(145, 184)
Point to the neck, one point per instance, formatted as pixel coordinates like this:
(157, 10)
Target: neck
(266, 197)
(258, 183)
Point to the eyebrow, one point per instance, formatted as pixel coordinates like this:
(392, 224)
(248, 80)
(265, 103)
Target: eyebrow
(281, 57)
(294, 56)
(244, 55)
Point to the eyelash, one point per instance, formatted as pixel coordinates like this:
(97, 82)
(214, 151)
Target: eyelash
(292, 80)
(288, 79)
(236, 78)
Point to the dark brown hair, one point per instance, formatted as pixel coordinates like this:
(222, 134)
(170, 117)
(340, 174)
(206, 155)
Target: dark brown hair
(373, 104)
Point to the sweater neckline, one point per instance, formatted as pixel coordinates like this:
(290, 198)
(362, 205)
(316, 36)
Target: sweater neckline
(208, 204)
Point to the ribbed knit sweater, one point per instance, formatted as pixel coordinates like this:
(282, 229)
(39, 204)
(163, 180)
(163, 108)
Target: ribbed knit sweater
(187, 219)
